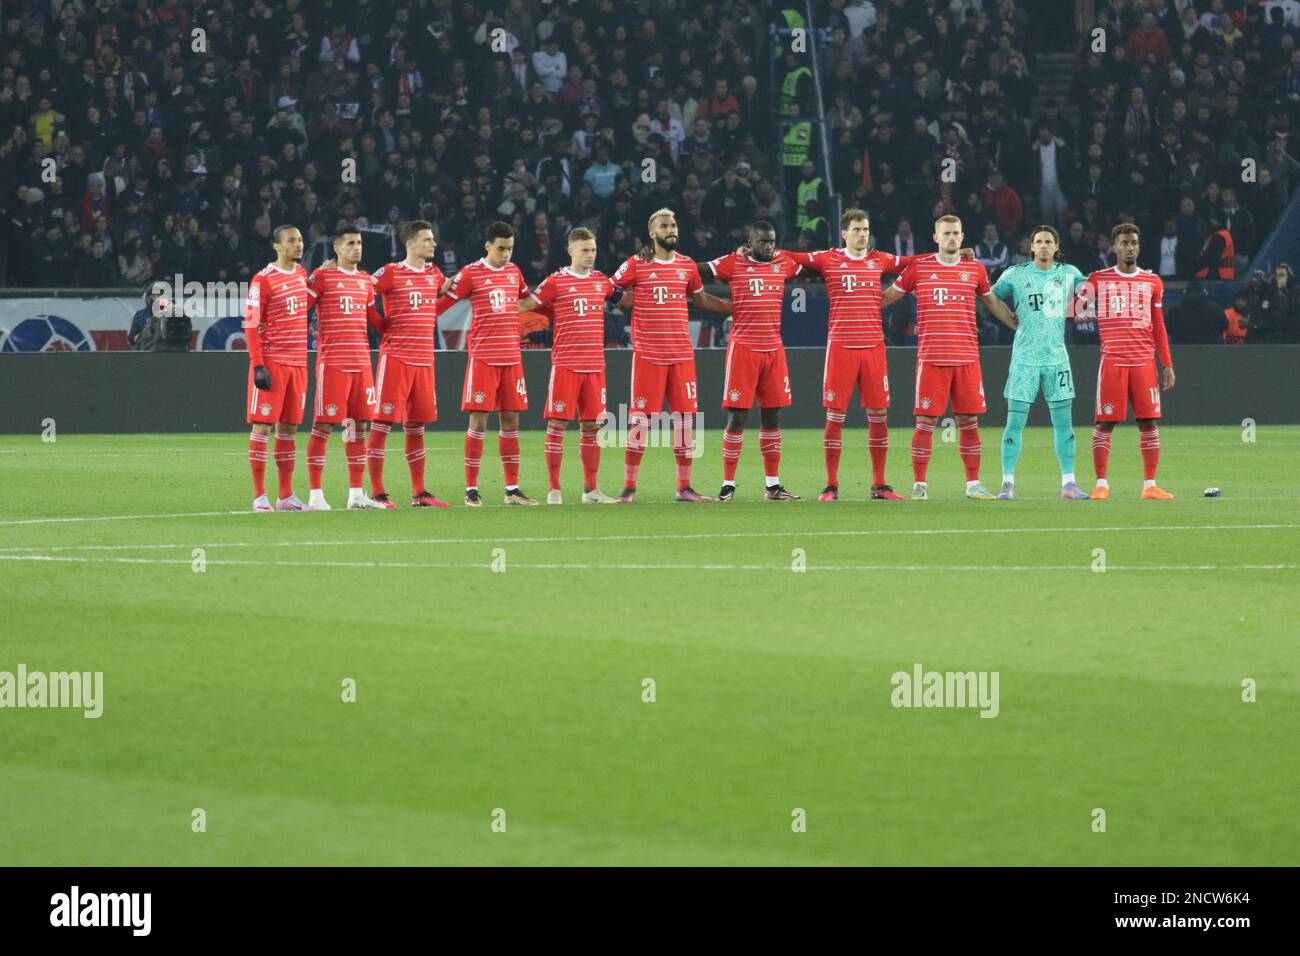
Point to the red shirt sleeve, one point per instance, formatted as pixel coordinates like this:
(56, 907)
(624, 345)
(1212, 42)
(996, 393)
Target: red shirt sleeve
(809, 260)
(1158, 325)
(461, 286)
(625, 275)
(253, 313)
(696, 283)
(722, 267)
(982, 286)
(545, 291)
(896, 265)
(906, 281)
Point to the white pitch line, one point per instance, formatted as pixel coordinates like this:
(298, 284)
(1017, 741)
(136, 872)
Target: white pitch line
(552, 566)
(694, 536)
(184, 514)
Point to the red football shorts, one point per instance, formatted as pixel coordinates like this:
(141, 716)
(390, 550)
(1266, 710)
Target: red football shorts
(493, 388)
(754, 375)
(935, 383)
(865, 368)
(341, 395)
(1118, 384)
(284, 401)
(406, 392)
(569, 391)
(652, 382)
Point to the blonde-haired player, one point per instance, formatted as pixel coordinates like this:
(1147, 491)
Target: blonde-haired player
(574, 299)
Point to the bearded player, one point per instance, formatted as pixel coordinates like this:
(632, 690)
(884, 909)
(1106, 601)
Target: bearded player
(1040, 291)
(948, 360)
(404, 380)
(663, 360)
(1129, 305)
(345, 386)
(494, 373)
(575, 297)
(275, 327)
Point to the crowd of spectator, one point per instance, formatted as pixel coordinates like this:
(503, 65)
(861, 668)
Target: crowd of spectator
(179, 155)
(160, 137)
(1166, 101)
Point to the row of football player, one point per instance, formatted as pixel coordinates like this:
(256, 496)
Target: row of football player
(658, 283)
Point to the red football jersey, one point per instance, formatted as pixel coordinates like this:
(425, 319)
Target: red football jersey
(577, 307)
(945, 307)
(275, 316)
(757, 291)
(661, 330)
(854, 284)
(410, 310)
(343, 302)
(1130, 315)
(494, 296)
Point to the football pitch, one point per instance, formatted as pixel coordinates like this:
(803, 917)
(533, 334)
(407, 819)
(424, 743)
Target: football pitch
(655, 683)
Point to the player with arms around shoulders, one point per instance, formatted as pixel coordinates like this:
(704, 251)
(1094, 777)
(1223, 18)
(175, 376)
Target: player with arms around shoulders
(345, 386)
(948, 359)
(494, 373)
(408, 291)
(663, 359)
(1129, 307)
(275, 327)
(756, 367)
(575, 297)
(855, 345)
(1041, 290)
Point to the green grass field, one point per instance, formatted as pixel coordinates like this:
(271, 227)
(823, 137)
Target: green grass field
(522, 690)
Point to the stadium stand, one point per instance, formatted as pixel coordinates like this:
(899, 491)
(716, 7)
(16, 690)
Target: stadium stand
(131, 150)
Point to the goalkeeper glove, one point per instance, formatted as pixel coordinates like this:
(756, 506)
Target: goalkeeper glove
(261, 377)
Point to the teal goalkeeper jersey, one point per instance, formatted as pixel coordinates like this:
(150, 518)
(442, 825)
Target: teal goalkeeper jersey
(1039, 298)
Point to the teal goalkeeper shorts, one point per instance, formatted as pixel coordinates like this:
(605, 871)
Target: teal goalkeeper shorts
(1023, 382)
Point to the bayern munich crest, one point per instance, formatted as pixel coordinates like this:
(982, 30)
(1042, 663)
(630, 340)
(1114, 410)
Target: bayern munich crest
(965, 277)
(640, 401)
(1108, 409)
(830, 395)
(734, 395)
(265, 408)
(558, 406)
(479, 397)
(925, 403)
(331, 410)
(387, 408)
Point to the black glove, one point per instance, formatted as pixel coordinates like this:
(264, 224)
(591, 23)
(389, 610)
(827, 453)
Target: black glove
(261, 377)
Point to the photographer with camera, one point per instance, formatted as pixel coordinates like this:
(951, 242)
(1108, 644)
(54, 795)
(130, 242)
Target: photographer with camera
(162, 325)
(1273, 304)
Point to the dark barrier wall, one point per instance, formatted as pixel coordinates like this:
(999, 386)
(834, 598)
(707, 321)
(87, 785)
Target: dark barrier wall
(205, 391)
